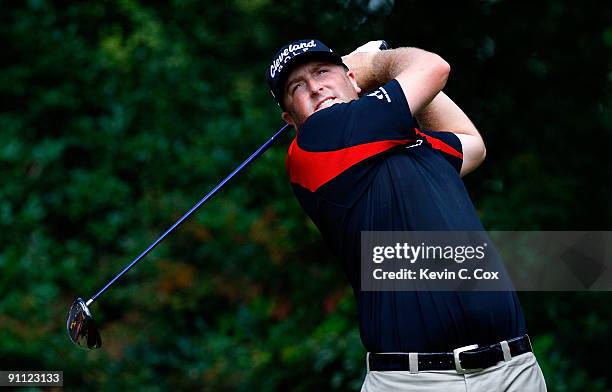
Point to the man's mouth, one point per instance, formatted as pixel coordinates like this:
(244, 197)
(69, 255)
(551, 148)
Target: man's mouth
(327, 102)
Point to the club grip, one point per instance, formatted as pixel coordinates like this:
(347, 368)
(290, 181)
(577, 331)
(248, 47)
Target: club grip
(373, 46)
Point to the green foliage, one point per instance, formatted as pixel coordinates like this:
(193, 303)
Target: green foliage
(118, 116)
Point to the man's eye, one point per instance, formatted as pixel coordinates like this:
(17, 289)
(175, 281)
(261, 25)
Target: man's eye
(295, 87)
(322, 70)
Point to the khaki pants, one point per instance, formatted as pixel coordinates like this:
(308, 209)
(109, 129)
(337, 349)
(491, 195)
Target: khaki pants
(521, 374)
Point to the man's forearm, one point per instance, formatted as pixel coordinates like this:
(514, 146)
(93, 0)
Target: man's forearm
(442, 114)
(374, 69)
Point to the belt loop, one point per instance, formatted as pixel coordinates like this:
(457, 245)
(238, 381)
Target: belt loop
(529, 341)
(413, 362)
(368, 362)
(505, 350)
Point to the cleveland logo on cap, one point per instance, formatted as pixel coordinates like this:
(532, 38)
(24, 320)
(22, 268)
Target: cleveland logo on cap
(288, 53)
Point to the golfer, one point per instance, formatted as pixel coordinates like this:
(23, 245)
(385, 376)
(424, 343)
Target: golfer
(380, 147)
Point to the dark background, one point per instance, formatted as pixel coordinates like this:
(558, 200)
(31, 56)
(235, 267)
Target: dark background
(117, 116)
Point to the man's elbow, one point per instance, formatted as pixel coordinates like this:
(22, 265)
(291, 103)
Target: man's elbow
(483, 154)
(440, 67)
(472, 158)
(475, 143)
(435, 67)
(444, 67)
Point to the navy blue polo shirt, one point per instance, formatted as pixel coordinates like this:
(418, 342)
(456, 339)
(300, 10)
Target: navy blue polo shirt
(366, 166)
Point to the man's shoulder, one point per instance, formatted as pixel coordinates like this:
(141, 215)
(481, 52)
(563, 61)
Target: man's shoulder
(324, 129)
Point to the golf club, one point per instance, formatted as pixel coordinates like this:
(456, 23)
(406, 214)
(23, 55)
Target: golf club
(80, 324)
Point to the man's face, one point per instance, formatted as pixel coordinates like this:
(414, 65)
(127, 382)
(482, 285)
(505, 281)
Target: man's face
(315, 86)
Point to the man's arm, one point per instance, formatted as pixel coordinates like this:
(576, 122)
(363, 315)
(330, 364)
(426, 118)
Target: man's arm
(442, 114)
(421, 74)
(432, 108)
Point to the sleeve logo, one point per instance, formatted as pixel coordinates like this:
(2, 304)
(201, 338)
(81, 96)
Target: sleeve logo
(381, 93)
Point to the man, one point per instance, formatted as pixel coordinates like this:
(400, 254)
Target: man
(363, 162)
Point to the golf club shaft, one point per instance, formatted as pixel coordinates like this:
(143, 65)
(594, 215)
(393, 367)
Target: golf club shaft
(210, 194)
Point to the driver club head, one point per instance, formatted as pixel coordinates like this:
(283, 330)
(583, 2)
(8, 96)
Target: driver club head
(81, 326)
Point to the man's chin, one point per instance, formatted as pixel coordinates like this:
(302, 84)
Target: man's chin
(326, 105)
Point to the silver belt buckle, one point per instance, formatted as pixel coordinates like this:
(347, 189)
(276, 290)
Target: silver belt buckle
(458, 366)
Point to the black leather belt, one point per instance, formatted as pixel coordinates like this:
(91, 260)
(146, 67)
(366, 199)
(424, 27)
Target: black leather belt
(463, 360)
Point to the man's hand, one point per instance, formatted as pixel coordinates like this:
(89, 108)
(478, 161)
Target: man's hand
(359, 61)
(361, 64)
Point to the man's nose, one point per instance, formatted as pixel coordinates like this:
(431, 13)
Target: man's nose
(314, 86)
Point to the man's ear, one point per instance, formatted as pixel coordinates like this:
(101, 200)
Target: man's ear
(351, 76)
(288, 119)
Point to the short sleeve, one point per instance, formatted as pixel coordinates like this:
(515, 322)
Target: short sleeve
(383, 114)
(446, 143)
